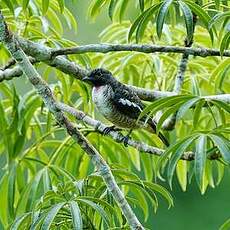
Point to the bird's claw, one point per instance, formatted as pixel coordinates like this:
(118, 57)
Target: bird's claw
(108, 129)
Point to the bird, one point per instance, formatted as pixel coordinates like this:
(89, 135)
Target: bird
(119, 104)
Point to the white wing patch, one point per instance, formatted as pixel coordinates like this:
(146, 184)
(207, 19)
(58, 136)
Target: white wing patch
(129, 103)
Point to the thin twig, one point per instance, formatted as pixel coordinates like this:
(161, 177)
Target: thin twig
(143, 48)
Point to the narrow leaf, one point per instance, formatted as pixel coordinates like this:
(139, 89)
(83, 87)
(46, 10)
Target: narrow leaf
(51, 215)
(223, 145)
(200, 158)
(162, 13)
(76, 215)
(45, 6)
(188, 17)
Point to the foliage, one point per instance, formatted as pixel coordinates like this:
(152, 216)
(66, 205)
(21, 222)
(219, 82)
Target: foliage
(47, 180)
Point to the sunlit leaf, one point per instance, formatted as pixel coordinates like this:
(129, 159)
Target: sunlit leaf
(51, 215)
(200, 158)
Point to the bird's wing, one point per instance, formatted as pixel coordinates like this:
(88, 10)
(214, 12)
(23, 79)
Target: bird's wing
(127, 102)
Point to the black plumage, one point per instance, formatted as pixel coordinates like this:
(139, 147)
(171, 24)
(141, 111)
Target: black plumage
(118, 103)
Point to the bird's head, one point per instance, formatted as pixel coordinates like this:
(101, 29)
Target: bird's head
(99, 77)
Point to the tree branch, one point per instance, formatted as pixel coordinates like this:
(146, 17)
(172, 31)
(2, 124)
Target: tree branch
(43, 54)
(143, 48)
(45, 92)
(117, 136)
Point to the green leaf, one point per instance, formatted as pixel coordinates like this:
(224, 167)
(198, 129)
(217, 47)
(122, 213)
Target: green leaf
(188, 17)
(202, 14)
(177, 153)
(45, 6)
(224, 43)
(162, 13)
(161, 190)
(219, 69)
(112, 7)
(197, 112)
(95, 8)
(217, 17)
(51, 215)
(76, 215)
(4, 199)
(9, 4)
(25, 4)
(141, 21)
(123, 7)
(98, 208)
(142, 5)
(61, 4)
(181, 172)
(11, 190)
(183, 109)
(144, 21)
(171, 111)
(17, 223)
(164, 103)
(200, 158)
(223, 145)
(221, 105)
(225, 225)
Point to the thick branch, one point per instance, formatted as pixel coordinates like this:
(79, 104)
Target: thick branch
(43, 53)
(144, 48)
(117, 136)
(47, 96)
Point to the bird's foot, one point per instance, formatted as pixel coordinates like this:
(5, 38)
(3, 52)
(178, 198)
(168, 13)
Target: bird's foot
(125, 140)
(108, 129)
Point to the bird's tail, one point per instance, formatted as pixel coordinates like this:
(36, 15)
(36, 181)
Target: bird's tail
(160, 135)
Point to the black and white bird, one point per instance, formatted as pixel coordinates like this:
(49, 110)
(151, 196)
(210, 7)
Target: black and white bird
(118, 103)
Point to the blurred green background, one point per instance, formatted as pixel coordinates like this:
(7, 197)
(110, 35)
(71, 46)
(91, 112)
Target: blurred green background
(192, 210)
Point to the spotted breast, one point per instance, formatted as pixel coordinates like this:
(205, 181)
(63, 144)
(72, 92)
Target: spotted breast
(103, 98)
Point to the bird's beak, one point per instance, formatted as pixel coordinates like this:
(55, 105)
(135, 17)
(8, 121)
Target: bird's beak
(87, 79)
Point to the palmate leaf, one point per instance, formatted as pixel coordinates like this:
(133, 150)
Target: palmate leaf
(162, 13)
(188, 17)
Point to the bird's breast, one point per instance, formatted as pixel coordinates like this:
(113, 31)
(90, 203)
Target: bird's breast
(101, 97)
